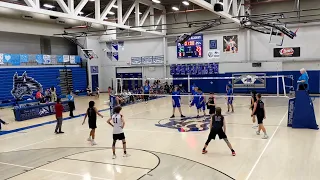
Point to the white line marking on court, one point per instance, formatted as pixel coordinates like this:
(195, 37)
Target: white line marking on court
(265, 148)
(48, 170)
(39, 142)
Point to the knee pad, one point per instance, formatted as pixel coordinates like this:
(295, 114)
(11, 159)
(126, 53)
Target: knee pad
(114, 143)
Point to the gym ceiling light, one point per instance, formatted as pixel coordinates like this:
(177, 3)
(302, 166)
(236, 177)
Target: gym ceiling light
(186, 3)
(156, 1)
(175, 8)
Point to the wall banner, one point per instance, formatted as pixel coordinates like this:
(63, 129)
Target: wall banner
(286, 52)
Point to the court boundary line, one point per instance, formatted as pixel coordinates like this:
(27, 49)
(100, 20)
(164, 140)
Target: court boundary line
(265, 148)
(105, 148)
(64, 119)
(97, 162)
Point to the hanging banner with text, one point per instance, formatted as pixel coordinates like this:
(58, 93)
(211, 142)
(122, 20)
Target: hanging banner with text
(286, 52)
(147, 60)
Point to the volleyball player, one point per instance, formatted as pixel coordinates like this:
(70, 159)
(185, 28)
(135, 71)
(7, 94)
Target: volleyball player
(202, 103)
(146, 89)
(2, 122)
(260, 112)
(176, 99)
(118, 125)
(218, 127)
(211, 104)
(253, 100)
(92, 114)
(230, 99)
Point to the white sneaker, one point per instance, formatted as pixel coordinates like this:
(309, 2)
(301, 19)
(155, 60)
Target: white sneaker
(89, 139)
(265, 137)
(258, 133)
(126, 155)
(114, 156)
(146, 102)
(93, 143)
(254, 126)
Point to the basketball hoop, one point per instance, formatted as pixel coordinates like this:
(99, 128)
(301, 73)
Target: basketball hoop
(89, 54)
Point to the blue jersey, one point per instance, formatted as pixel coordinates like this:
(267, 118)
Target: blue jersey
(230, 93)
(196, 97)
(176, 96)
(192, 89)
(146, 89)
(201, 98)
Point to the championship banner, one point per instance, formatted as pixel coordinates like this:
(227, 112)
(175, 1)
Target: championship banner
(66, 58)
(115, 55)
(136, 61)
(73, 59)
(115, 46)
(249, 81)
(183, 69)
(173, 69)
(286, 52)
(121, 44)
(1, 59)
(147, 60)
(213, 44)
(158, 59)
(94, 69)
(46, 59)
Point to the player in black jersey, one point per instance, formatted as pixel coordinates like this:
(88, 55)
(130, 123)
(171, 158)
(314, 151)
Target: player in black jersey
(218, 127)
(211, 104)
(253, 100)
(260, 112)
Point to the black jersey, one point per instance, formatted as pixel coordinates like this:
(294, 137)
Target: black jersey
(92, 114)
(254, 99)
(210, 101)
(260, 108)
(217, 122)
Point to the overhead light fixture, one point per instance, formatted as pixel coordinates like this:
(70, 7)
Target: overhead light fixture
(105, 18)
(48, 6)
(175, 8)
(111, 13)
(156, 1)
(139, 12)
(81, 13)
(115, 6)
(185, 3)
(91, 0)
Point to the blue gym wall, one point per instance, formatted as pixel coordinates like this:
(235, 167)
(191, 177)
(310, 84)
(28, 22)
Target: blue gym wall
(46, 76)
(219, 86)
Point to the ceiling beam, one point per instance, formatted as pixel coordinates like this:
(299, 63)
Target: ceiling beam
(63, 6)
(107, 9)
(150, 3)
(145, 15)
(127, 14)
(97, 9)
(80, 6)
(119, 11)
(30, 3)
(72, 16)
(209, 7)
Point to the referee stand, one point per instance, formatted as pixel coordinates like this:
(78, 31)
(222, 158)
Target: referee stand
(301, 111)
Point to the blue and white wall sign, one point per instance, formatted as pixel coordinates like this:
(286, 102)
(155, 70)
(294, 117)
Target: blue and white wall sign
(147, 60)
(136, 61)
(213, 44)
(94, 69)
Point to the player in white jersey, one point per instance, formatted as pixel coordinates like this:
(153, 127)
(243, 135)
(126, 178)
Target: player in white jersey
(118, 125)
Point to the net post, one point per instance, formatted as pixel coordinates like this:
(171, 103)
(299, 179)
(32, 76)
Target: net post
(284, 86)
(278, 86)
(117, 79)
(112, 103)
(189, 85)
(121, 86)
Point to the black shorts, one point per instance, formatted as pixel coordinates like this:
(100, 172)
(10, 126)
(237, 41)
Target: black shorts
(119, 136)
(219, 132)
(260, 119)
(92, 124)
(212, 110)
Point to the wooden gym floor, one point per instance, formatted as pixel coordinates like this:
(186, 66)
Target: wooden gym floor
(161, 152)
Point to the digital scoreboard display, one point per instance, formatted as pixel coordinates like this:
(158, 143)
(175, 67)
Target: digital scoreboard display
(192, 48)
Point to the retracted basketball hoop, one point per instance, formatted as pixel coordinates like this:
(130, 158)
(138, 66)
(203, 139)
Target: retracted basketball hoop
(89, 54)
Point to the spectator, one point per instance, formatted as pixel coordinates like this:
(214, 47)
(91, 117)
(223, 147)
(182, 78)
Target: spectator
(53, 94)
(59, 110)
(40, 97)
(2, 122)
(89, 92)
(48, 95)
(97, 92)
(71, 103)
(167, 88)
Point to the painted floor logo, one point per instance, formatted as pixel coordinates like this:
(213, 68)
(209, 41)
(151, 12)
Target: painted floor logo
(186, 124)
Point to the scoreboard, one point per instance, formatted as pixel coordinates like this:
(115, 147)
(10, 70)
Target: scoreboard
(192, 48)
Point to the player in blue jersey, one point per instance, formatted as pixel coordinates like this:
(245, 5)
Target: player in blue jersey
(202, 103)
(193, 88)
(230, 99)
(229, 85)
(176, 99)
(146, 91)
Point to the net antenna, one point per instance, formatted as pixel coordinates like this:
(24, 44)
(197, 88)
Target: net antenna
(282, 82)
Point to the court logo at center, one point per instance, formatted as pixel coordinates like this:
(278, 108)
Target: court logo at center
(186, 124)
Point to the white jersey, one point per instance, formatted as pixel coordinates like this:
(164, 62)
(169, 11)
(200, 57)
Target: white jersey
(117, 124)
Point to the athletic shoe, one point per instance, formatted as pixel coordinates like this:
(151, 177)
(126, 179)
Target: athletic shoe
(258, 133)
(126, 155)
(265, 137)
(89, 139)
(182, 116)
(172, 116)
(233, 153)
(204, 151)
(114, 156)
(254, 126)
(93, 143)
(60, 132)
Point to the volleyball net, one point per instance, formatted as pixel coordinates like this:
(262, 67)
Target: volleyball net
(242, 85)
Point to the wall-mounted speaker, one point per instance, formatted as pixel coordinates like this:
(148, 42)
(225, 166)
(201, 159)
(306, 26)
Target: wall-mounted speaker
(218, 7)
